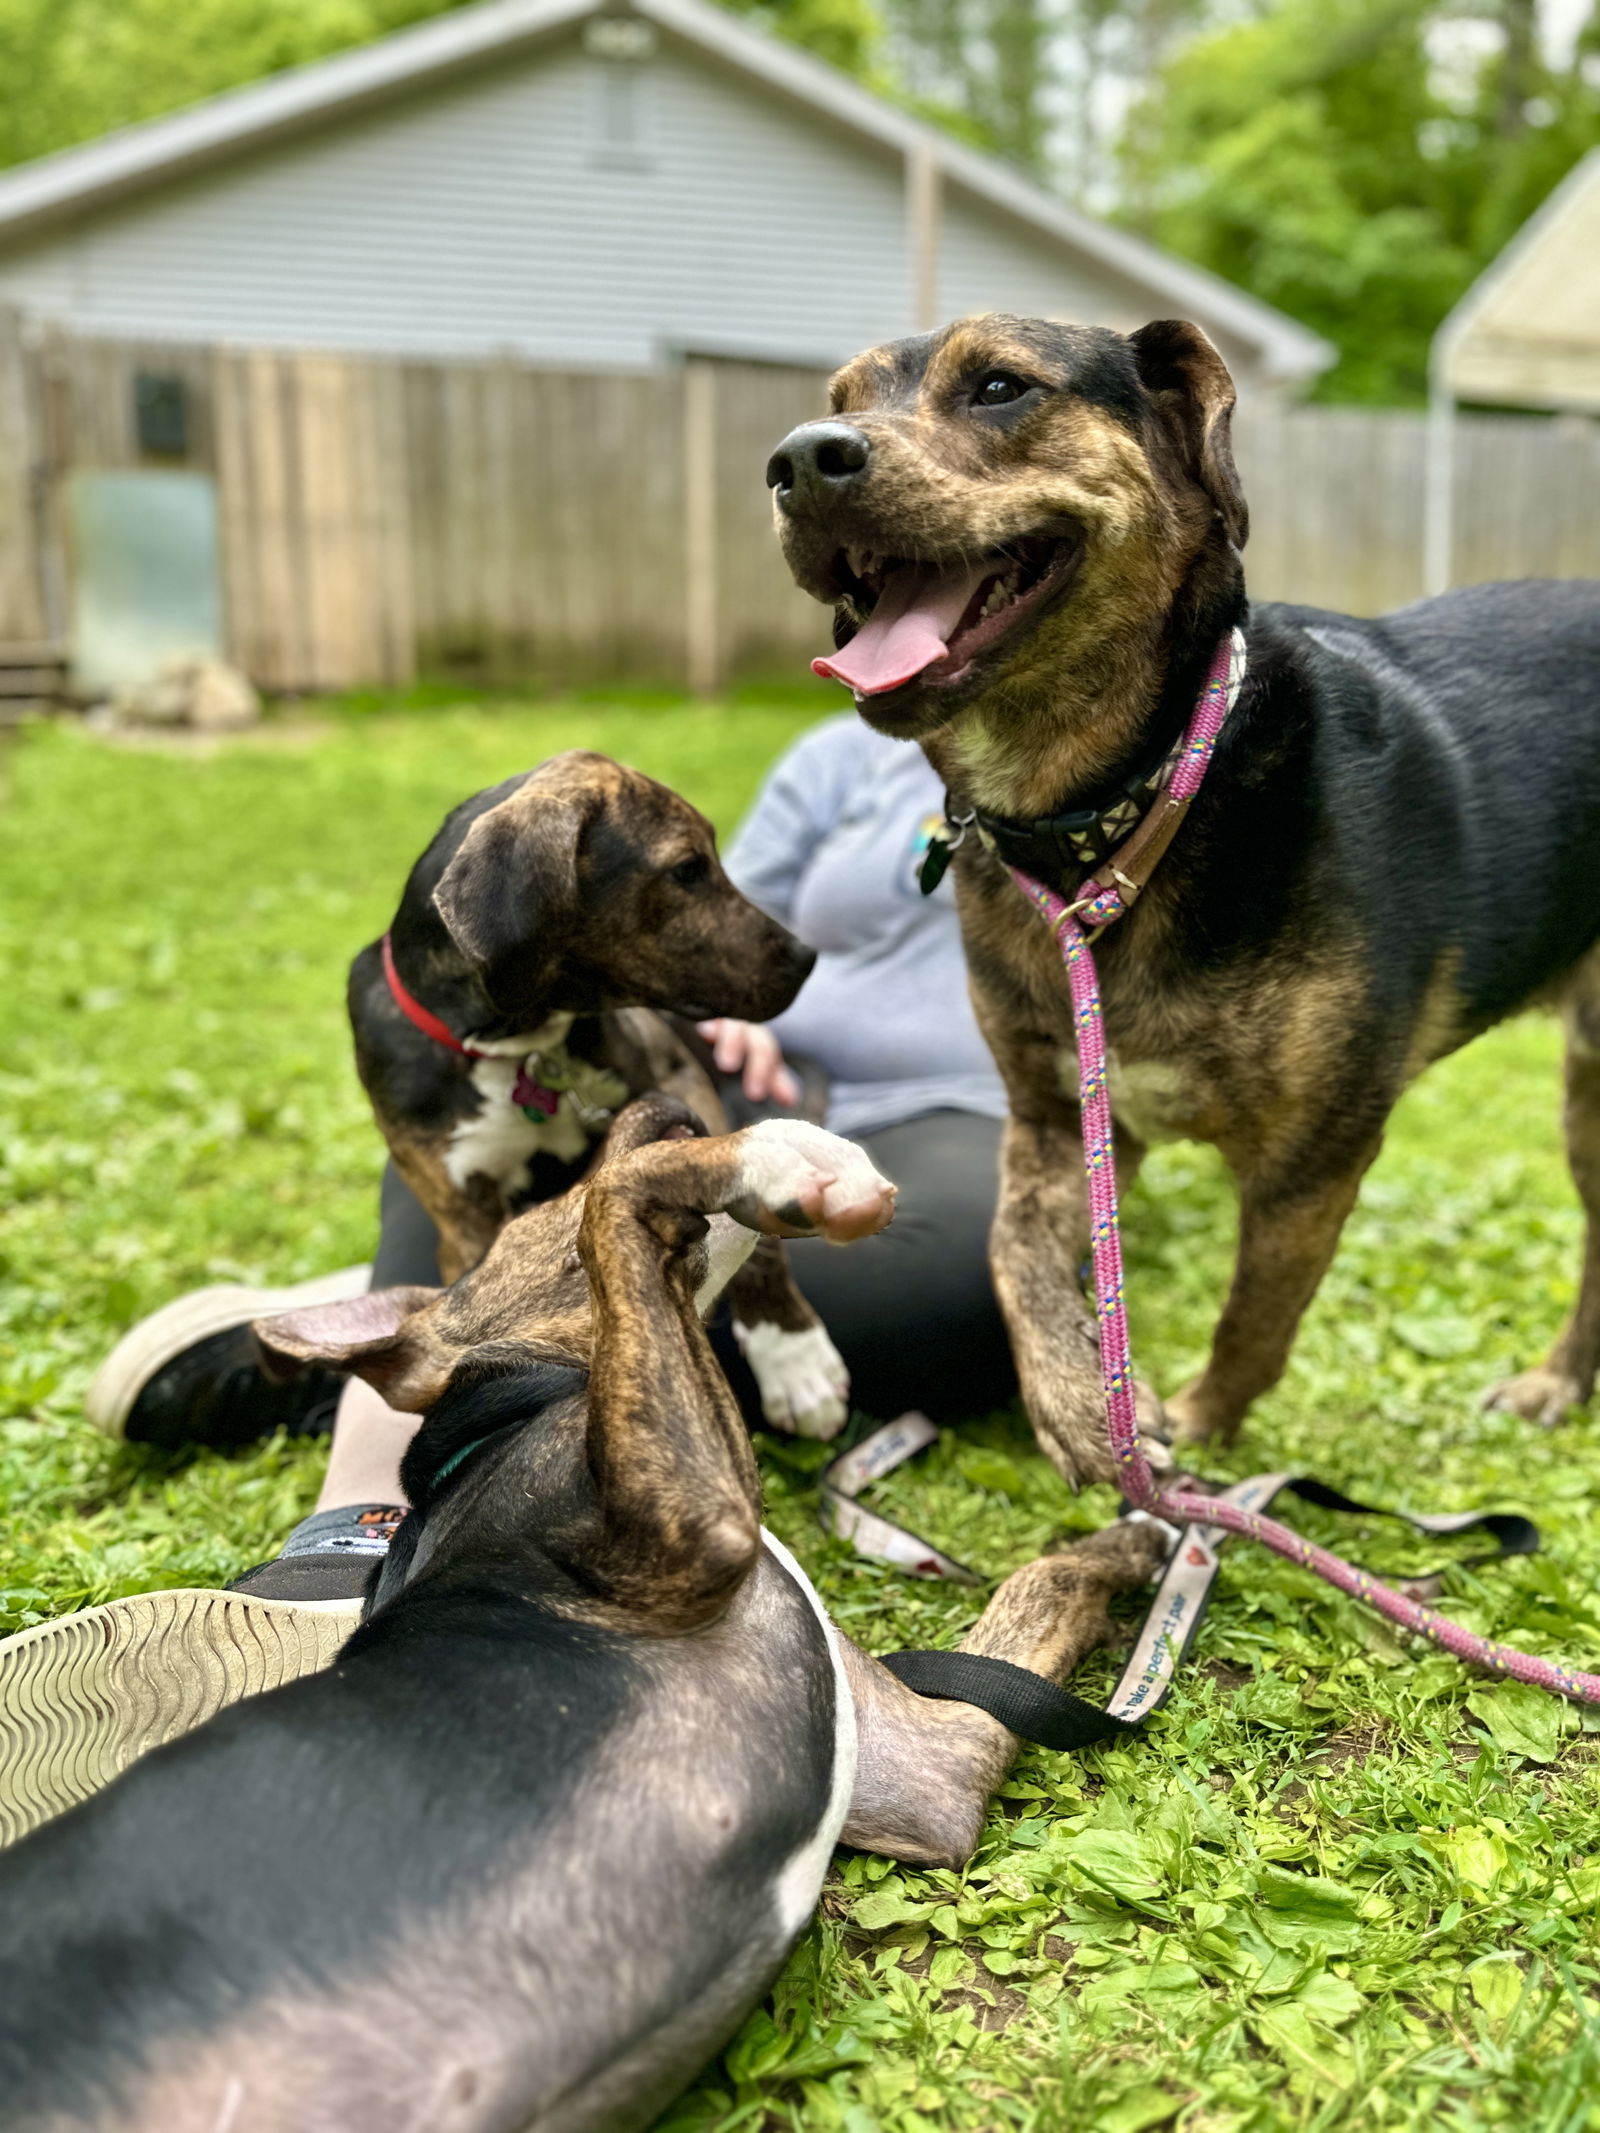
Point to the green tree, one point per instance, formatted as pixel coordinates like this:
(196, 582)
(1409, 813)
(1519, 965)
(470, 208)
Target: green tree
(1358, 162)
(1040, 82)
(849, 33)
(74, 69)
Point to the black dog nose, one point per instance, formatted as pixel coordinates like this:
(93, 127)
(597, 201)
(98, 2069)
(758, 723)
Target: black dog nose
(816, 460)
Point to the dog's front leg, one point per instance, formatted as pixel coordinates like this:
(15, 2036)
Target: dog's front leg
(467, 1217)
(1287, 1239)
(799, 1373)
(804, 1385)
(1037, 1248)
(1565, 1379)
(925, 1770)
(671, 1459)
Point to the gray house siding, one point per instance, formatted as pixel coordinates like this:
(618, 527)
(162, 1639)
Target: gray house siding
(561, 208)
(989, 262)
(497, 213)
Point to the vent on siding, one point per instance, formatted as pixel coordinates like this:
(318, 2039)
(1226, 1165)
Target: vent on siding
(620, 131)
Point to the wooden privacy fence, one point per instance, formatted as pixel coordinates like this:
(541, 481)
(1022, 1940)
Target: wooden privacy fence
(382, 518)
(1337, 495)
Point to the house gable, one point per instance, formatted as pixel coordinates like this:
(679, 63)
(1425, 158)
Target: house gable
(414, 195)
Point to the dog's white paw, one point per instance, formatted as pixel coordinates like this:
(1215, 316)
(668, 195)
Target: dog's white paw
(795, 1180)
(805, 1387)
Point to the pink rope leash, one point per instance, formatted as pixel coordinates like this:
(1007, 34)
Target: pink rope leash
(1073, 923)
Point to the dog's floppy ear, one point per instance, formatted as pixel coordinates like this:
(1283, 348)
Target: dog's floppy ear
(1193, 393)
(376, 1337)
(514, 879)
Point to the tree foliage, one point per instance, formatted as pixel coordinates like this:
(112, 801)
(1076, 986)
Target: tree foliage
(1358, 162)
(74, 69)
(849, 33)
(1041, 82)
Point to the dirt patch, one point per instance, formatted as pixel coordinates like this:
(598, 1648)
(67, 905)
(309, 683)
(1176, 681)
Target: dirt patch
(1009, 2004)
(1353, 1744)
(1356, 1744)
(1228, 1678)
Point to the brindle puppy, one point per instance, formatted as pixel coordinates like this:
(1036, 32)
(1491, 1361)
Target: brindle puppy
(555, 923)
(525, 1855)
(1030, 533)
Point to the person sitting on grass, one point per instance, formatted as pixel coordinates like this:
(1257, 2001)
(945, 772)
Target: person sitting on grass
(831, 848)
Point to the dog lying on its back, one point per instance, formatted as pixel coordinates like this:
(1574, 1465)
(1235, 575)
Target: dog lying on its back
(1030, 535)
(528, 1852)
(553, 928)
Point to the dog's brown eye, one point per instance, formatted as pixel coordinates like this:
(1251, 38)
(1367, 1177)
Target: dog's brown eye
(689, 873)
(999, 387)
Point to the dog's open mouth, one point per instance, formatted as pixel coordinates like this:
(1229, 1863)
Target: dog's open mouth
(927, 622)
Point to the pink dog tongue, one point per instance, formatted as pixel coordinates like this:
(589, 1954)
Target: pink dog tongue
(908, 630)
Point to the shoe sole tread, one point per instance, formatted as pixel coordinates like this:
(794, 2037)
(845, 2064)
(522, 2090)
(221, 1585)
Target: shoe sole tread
(84, 1696)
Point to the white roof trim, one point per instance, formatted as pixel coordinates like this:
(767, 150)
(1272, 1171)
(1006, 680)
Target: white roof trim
(75, 179)
(1449, 336)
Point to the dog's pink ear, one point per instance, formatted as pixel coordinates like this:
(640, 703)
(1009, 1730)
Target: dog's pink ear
(1193, 393)
(514, 881)
(378, 1337)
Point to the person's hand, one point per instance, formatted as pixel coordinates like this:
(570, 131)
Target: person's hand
(750, 1050)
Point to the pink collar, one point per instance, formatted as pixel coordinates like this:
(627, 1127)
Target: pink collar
(528, 1094)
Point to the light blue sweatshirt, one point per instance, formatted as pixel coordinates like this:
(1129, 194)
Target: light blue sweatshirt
(831, 848)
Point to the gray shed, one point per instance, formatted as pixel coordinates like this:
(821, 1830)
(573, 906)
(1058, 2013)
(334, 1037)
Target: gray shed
(1525, 335)
(574, 183)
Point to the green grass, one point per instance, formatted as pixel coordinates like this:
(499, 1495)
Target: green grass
(1340, 1883)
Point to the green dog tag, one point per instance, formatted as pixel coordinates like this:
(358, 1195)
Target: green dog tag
(934, 861)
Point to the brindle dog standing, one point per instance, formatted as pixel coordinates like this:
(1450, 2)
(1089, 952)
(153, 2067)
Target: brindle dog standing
(524, 1856)
(564, 918)
(1031, 534)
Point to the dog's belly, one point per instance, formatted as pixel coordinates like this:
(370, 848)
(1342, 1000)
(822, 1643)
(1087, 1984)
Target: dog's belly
(550, 1948)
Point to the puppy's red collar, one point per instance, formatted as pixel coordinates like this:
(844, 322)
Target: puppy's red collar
(418, 1015)
(527, 1094)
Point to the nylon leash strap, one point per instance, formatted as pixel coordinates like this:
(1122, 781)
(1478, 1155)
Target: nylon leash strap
(1039, 1710)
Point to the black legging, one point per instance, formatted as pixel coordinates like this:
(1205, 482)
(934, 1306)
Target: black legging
(912, 1311)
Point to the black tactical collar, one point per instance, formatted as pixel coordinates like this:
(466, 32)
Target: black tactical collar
(1058, 849)
(1061, 847)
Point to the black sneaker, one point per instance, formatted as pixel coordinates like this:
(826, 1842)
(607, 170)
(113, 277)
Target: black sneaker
(188, 1374)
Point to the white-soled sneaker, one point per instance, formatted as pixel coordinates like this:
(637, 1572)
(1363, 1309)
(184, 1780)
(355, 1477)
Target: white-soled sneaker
(188, 1373)
(84, 1696)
